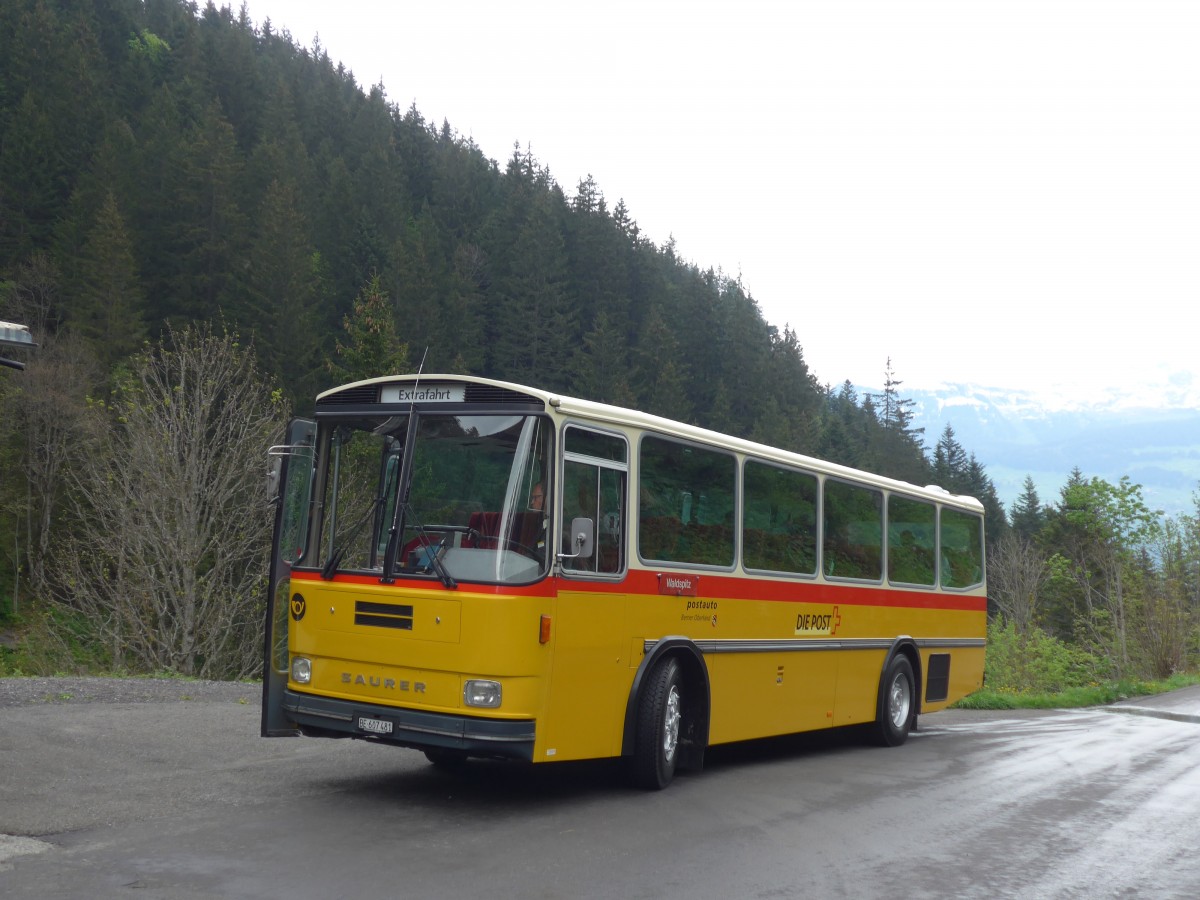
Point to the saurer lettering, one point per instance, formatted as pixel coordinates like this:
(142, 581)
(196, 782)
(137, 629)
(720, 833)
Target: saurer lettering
(387, 684)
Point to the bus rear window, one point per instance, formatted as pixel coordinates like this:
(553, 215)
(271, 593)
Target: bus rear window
(962, 549)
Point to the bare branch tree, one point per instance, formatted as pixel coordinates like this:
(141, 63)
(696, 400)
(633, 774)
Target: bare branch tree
(1017, 572)
(47, 407)
(1167, 621)
(169, 556)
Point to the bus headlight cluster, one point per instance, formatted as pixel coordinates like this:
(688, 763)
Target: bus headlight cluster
(301, 670)
(478, 692)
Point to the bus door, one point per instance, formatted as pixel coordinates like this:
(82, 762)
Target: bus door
(291, 476)
(592, 669)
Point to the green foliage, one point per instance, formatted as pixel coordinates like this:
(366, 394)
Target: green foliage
(1036, 663)
(1028, 516)
(51, 640)
(1076, 697)
(109, 310)
(149, 48)
(372, 345)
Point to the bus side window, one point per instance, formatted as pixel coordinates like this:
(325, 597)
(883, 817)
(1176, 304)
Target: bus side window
(779, 519)
(594, 487)
(687, 503)
(853, 528)
(912, 538)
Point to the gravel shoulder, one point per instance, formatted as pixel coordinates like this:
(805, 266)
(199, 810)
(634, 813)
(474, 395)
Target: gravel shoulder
(64, 690)
(81, 752)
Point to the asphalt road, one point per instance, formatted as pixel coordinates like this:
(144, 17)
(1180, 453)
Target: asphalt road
(177, 797)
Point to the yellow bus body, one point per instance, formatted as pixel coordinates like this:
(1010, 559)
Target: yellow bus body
(576, 656)
(577, 685)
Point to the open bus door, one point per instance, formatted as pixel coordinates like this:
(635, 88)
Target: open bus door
(291, 476)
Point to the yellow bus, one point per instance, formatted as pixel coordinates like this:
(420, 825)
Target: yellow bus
(473, 568)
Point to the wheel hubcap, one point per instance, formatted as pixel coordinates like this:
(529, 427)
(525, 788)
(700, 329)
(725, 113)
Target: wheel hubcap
(671, 719)
(899, 701)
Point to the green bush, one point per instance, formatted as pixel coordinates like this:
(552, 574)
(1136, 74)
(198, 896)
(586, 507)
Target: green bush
(1036, 663)
(53, 641)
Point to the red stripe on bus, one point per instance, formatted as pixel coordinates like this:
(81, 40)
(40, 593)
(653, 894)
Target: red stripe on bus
(725, 587)
(786, 591)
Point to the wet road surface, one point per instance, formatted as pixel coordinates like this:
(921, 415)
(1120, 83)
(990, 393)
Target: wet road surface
(184, 800)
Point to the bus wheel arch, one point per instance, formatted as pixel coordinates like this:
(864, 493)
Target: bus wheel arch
(898, 702)
(671, 683)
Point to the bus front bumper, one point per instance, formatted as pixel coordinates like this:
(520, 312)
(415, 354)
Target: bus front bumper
(328, 717)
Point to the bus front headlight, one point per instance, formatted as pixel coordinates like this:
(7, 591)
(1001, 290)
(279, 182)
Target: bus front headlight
(301, 670)
(478, 692)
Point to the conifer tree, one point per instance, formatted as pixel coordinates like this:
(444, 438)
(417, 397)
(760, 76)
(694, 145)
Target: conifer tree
(1028, 516)
(898, 447)
(658, 381)
(599, 364)
(210, 231)
(288, 289)
(458, 338)
(844, 430)
(979, 485)
(417, 277)
(625, 223)
(949, 462)
(372, 347)
(533, 321)
(108, 308)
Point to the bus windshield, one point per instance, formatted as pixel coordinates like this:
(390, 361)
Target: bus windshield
(449, 497)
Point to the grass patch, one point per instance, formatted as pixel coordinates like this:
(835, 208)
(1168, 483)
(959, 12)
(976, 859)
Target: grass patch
(1073, 697)
(48, 641)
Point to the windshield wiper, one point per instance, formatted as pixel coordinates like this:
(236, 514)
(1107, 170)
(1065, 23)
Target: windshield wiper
(433, 552)
(336, 557)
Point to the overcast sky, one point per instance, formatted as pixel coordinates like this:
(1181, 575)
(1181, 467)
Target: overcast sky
(998, 193)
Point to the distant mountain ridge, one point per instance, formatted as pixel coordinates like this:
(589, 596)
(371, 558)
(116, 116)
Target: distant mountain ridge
(1014, 434)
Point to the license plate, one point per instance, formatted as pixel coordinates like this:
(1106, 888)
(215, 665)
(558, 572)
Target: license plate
(375, 726)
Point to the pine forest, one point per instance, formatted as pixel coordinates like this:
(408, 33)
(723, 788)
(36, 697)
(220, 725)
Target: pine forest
(204, 224)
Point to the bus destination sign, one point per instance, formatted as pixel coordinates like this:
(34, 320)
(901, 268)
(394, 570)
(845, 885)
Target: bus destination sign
(422, 393)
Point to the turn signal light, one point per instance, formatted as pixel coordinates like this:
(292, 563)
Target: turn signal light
(544, 634)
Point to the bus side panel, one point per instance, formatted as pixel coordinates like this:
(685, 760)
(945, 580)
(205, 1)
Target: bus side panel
(859, 672)
(763, 694)
(966, 676)
(592, 672)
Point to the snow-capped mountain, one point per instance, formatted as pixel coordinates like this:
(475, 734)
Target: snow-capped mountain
(1155, 440)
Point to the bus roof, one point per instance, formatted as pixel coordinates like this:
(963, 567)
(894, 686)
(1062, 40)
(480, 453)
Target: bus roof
(608, 414)
(13, 335)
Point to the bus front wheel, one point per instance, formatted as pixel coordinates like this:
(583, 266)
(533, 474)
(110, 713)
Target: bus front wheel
(659, 726)
(897, 703)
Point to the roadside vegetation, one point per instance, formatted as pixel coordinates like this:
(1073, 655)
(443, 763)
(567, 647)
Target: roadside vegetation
(1038, 671)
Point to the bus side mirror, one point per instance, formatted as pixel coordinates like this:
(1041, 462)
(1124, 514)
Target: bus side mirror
(582, 538)
(274, 470)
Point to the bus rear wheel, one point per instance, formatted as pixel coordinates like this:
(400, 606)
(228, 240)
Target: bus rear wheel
(897, 703)
(659, 726)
